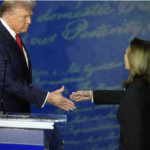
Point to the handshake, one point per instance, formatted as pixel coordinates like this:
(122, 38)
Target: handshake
(57, 99)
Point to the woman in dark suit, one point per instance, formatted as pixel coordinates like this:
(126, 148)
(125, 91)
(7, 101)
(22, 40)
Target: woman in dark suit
(134, 111)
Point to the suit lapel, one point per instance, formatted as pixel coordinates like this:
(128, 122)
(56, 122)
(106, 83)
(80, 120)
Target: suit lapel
(21, 56)
(29, 62)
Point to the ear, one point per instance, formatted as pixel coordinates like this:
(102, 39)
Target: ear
(7, 17)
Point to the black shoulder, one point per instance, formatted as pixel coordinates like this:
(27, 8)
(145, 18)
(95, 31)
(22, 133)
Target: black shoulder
(141, 90)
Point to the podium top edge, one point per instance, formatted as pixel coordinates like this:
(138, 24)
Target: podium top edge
(34, 116)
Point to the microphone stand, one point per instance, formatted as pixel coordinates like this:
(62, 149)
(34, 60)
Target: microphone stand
(6, 58)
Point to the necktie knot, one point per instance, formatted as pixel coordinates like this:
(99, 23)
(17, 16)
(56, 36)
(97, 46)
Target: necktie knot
(18, 39)
(17, 36)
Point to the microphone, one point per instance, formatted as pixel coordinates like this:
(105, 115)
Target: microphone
(6, 58)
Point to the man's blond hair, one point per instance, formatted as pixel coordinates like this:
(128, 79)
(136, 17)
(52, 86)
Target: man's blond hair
(9, 6)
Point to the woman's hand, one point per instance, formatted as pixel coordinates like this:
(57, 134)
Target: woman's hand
(81, 95)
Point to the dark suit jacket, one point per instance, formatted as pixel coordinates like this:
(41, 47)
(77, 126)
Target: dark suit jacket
(19, 92)
(133, 114)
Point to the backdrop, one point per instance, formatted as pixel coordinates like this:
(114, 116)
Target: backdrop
(81, 45)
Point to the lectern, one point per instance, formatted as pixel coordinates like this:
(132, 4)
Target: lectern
(31, 131)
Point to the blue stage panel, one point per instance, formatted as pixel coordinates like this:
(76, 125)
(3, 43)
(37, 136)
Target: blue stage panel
(20, 147)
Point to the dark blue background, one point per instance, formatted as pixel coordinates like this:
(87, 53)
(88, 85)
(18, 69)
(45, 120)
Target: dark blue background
(81, 45)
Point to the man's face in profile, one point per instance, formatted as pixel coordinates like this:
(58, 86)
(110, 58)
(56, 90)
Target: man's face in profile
(20, 19)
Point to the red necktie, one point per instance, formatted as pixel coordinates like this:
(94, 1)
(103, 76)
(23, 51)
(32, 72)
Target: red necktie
(18, 39)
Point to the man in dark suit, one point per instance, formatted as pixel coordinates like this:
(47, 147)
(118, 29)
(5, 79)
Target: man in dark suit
(19, 92)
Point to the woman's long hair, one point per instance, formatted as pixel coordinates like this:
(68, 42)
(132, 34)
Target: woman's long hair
(139, 61)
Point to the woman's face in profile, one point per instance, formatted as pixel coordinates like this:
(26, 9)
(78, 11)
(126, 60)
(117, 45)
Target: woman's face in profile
(126, 58)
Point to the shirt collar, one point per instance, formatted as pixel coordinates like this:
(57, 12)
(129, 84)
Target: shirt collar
(13, 33)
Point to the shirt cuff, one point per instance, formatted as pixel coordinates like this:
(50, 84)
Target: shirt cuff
(45, 100)
(92, 99)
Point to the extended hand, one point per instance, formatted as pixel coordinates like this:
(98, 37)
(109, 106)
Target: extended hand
(57, 99)
(81, 95)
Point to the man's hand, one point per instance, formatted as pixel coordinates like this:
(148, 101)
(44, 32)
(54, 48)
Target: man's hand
(57, 99)
(81, 95)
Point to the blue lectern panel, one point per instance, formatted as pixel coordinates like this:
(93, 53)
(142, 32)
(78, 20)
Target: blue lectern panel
(20, 147)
